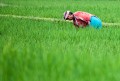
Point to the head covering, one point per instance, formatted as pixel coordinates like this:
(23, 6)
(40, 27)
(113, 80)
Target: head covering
(66, 14)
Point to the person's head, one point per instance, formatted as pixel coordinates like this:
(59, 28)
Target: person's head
(68, 15)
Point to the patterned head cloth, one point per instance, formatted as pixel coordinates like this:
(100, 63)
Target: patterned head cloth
(66, 14)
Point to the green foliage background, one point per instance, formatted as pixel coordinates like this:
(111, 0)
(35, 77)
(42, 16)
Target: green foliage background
(32, 50)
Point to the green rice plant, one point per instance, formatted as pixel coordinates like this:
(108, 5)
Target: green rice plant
(40, 50)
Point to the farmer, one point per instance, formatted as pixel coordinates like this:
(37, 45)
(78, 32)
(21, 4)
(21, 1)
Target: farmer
(83, 19)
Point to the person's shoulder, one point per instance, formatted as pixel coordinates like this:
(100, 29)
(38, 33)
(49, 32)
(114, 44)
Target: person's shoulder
(77, 12)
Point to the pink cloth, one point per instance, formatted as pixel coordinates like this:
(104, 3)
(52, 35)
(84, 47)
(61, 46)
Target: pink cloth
(82, 19)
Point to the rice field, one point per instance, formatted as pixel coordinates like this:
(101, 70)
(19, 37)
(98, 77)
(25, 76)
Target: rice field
(51, 50)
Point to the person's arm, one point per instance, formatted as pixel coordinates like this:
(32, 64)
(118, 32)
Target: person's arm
(83, 23)
(76, 26)
(87, 22)
(79, 22)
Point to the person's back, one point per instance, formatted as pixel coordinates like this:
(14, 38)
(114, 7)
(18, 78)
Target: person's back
(83, 15)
